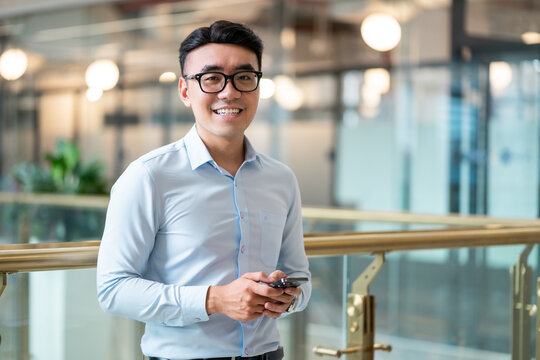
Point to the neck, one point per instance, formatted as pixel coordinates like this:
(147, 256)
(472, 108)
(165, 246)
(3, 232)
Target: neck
(226, 152)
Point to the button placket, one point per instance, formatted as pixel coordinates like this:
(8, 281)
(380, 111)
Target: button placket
(243, 224)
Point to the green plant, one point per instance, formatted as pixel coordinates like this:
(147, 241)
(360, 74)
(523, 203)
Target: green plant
(65, 173)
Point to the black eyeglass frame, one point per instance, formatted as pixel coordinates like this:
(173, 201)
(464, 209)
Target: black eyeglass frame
(198, 77)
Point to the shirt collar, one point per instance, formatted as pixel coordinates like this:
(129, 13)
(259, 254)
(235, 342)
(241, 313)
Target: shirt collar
(198, 153)
(250, 153)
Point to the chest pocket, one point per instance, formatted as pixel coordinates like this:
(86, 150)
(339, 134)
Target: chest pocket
(271, 236)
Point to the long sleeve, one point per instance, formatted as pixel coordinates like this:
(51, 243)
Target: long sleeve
(292, 259)
(132, 222)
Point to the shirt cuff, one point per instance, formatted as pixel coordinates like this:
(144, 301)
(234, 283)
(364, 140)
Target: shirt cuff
(193, 304)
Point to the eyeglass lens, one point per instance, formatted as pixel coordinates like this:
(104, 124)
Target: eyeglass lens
(242, 81)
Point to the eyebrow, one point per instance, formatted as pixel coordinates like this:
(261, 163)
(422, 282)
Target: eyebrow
(219, 68)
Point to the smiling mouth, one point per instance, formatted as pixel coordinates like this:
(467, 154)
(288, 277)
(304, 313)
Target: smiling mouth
(227, 111)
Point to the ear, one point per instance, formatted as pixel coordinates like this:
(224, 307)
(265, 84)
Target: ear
(183, 91)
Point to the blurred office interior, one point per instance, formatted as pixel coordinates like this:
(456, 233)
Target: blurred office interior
(417, 106)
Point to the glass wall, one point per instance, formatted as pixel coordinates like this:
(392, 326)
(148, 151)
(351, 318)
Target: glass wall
(446, 121)
(439, 123)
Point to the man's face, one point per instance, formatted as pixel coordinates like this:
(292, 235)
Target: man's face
(226, 114)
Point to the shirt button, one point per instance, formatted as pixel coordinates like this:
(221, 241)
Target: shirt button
(197, 319)
(246, 351)
(243, 249)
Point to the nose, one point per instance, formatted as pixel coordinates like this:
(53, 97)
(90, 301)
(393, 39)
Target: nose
(229, 92)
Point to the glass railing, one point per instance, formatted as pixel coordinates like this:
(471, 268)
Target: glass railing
(443, 290)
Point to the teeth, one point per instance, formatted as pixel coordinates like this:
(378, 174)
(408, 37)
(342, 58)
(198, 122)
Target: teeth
(227, 111)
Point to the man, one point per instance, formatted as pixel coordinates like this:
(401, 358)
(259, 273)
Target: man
(196, 230)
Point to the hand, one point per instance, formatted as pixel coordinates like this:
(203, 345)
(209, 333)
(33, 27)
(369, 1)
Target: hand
(243, 299)
(279, 304)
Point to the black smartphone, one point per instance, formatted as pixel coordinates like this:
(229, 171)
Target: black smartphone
(289, 282)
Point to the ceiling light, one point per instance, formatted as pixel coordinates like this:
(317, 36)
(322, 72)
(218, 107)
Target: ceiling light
(378, 79)
(288, 38)
(167, 77)
(530, 37)
(13, 64)
(381, 32)
(94, 94)
(102, 74)
(288, 95)
(267, 88)
(500, 76)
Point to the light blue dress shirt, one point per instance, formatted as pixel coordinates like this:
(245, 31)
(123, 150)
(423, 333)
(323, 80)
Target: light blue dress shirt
(178, 223)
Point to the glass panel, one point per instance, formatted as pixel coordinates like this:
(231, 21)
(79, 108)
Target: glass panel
(27, 223)
(439, 304)
(322, 323)
(443, 139)
(55, 315)
(513, 137)
(396, 156)
(430, 305)
(444, 304)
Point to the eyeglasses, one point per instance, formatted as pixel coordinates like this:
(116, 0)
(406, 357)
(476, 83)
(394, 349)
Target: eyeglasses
(213, 82)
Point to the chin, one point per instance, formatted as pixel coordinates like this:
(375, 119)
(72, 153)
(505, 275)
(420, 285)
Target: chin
(225, 133)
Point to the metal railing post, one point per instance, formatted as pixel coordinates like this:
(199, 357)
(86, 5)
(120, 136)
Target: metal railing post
(521, 308)
(360, 318)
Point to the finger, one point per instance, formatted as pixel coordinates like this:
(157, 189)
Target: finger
(252, 308)
(283, 299)
(259, 309)
(256, 300)
(276, 307)
(271, 314)
(276, 275)
(294, 291)
(257, 276)
(266, 291)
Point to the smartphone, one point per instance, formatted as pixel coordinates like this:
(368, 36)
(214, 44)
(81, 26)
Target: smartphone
(289, 282)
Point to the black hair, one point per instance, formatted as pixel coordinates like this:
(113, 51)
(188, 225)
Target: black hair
(221, 32)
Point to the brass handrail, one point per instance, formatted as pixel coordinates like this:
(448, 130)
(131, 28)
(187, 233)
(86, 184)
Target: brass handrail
(48, 256)
(368, 243)
(352, 215)
(308, 212)
(83, 254)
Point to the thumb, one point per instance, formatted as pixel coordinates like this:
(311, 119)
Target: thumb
(276, 275)
(256, 276)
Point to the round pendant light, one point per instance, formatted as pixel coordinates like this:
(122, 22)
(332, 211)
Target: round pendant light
(381, 32)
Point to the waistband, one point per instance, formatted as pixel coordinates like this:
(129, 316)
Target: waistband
(271, 355)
